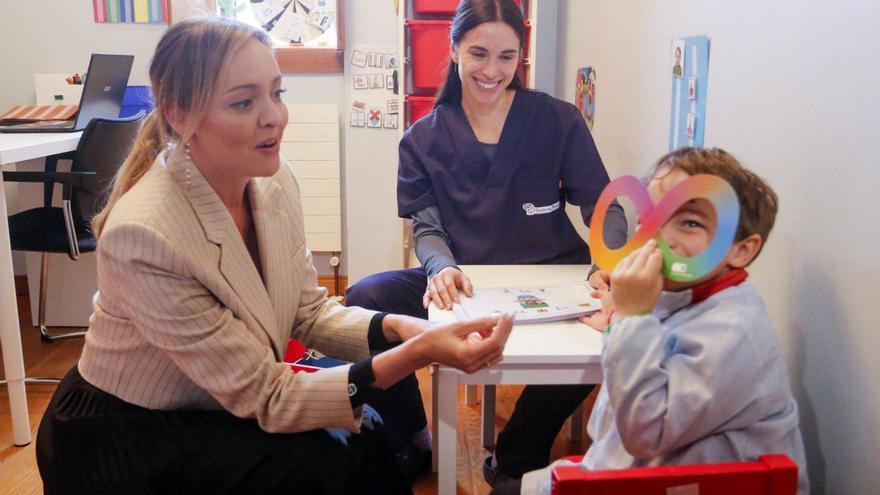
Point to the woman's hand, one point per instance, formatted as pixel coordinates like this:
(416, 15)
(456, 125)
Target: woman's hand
(637, 280)
(465, 345)
(402, 327)
(443, 288)
(600, 319)
(468, 345)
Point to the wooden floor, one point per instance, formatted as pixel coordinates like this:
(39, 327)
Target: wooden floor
(18, 468)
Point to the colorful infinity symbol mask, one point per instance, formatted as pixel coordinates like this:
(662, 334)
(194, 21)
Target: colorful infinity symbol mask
(652, 218)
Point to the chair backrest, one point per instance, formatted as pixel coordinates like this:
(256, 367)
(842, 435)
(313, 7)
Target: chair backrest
(769, 475)
(104, 145)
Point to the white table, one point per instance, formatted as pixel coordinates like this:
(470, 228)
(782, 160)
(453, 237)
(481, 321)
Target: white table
(555, 353)
(16, 148)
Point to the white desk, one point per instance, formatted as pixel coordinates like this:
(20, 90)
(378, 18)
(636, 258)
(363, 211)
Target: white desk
(17, 148)
(558, 353)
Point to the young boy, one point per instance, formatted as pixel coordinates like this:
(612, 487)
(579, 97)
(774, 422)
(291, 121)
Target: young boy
(693, 372)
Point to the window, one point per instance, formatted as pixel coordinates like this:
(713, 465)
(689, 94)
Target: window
(308, 34)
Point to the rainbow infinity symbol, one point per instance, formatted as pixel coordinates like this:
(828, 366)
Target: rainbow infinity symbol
(652, 218)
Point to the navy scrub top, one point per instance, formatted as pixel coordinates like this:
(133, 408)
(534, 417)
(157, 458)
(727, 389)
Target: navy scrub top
(545, 158)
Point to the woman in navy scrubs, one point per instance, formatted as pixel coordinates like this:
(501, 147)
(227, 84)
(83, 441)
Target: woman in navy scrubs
(485, 178)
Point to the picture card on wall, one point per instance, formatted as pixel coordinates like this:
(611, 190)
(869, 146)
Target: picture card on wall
(374, 119)
(377, 81)
(678, 57)
(358, 58)
(357, 119)
(585, 94)
(391, 120)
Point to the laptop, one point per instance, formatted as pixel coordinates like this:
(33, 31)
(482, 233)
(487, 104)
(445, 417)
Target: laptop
(102, 95)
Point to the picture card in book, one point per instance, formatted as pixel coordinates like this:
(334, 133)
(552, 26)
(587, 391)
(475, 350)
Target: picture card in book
(529, 304)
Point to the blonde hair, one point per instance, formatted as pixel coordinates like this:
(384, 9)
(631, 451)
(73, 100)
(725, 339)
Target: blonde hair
(189, 60)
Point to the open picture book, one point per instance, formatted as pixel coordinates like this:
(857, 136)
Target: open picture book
(529, 304)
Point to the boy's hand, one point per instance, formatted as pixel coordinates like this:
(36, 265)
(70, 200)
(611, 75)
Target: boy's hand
(599, 280)
(637, 281)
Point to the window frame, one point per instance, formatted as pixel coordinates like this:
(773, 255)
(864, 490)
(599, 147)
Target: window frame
(301, 60)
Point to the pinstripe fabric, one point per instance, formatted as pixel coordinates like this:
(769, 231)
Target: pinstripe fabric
(183, 319)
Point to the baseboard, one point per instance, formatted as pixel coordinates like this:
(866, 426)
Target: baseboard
(21, 285)
(327, 281)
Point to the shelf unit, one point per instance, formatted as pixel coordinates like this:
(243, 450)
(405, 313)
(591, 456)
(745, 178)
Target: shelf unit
(424, 41)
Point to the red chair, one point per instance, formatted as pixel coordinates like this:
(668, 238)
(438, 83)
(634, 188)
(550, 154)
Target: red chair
(769, 475)
(295, 350)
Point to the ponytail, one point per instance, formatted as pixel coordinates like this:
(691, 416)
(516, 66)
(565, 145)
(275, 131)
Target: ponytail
(450, 91)
(143, 153)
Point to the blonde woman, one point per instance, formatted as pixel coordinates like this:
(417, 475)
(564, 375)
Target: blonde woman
(203, 275)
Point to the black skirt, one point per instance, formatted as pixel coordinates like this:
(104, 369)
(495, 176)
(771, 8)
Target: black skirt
(92, 442)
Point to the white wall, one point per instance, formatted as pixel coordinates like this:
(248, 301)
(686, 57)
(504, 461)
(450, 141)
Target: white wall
(542, 50)
(374, 233)
(58, 36)
(793, 93)
(55, 36)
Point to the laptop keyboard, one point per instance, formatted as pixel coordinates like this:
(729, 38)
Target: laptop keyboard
(38, 124)
(14, 121)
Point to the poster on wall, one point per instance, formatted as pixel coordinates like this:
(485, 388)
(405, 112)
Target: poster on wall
(585, 94)
(375, 87)
(689, 69)
(131, 11)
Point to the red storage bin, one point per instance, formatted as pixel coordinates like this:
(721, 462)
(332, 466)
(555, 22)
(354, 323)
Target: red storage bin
(446, 7)
(419, 106)
(430, 52)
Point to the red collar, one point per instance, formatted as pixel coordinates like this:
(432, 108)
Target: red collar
(718, 284)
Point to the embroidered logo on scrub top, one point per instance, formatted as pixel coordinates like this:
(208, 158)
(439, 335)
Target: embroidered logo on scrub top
(540, 210)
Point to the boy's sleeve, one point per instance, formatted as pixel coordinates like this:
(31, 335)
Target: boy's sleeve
(538, 482)
(669, 391)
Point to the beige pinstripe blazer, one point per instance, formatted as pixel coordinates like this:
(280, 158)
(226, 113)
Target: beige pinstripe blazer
(183, 320)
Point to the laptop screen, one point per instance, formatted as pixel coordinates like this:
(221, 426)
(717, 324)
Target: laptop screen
(104, 88)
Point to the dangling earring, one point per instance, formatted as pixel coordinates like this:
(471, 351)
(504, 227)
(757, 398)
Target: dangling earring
(189, 164)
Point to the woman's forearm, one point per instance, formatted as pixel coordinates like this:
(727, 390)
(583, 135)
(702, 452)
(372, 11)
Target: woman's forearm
(396, 363)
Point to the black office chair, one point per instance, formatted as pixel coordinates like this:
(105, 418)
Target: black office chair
(103, 147)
